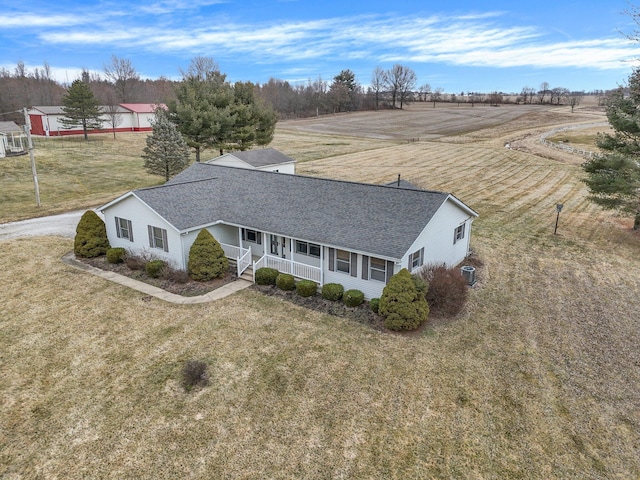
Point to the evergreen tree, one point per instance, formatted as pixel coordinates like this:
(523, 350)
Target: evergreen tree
(81, 107)
(91, 236)
(206, 258)
(614, 178)
(403, 303)
(166, 152)
(212, 113)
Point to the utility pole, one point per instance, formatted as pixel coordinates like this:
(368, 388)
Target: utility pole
(27, 126)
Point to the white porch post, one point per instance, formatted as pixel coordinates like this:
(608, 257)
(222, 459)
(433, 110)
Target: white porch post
(240, 237)
(322, 265)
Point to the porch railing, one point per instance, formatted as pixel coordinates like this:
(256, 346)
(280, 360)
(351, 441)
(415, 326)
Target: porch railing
(241, 255)
(244, 262)
(297, 269)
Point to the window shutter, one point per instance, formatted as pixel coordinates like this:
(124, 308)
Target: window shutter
(242, 233)
(259, 238)
(130, 226)
(421, 256)
(365, 267)
(150, 235)
(410, 262)
(354, 264)
(455, 234)
(117, 227)
(164, 240)
(332, 259)
(390, 266)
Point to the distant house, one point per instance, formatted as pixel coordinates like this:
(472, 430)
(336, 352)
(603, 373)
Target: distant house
(132, 117)
(13, 140)
(267, 159)
(328, 231)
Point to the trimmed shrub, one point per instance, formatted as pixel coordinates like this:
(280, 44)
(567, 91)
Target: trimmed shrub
(448, 290)
(306, 288)
(194, 374)
(284, 281)
(374, 304)
(353, 298)
(91, 236)
(206, 258)
(332, 291)
(401, 304)
(266, 276)
(116, 255)
(154, 268)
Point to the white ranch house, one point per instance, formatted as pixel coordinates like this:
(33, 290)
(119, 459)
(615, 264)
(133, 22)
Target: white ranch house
(329, 231)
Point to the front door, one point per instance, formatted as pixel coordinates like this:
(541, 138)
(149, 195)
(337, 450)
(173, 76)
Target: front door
(277, 245)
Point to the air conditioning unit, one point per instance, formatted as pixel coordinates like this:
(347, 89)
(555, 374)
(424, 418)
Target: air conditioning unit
(469, 274)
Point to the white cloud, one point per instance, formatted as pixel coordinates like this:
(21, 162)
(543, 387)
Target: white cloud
(472, 39)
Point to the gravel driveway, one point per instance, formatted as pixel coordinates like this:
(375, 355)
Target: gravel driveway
(63, 225)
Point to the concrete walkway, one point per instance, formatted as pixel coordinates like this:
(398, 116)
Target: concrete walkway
(223, 291)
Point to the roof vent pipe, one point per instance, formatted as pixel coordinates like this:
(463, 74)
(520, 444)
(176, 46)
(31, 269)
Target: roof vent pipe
(398, 179)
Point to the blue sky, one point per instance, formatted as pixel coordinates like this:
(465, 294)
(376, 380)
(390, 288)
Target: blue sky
(460, 46)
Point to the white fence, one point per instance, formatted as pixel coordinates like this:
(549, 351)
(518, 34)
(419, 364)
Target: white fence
(299, 270)
(568, 148)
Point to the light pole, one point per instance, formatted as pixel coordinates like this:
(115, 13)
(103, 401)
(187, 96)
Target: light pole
(558, 209)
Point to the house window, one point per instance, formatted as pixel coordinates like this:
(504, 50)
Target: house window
(124, 228)
(378, 269)
(310, 249)
(314, 250)
(416, 260)
(158, 238)
(302, 247)
(458, 234)
(251, 236)
(343, 261)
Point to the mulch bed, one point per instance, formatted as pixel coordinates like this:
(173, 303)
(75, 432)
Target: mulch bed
(361, 314)
(189, 288)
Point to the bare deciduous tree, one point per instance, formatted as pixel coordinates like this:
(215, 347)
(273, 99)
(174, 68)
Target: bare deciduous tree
(378, 82)
(123, 76)
(542, 93)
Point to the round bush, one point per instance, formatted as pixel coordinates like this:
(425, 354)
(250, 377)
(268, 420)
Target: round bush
(154, 268)
(448, 290)
(284, 281)
(116, 255)
(266, 276)
(332, 291)
(374, 304)
(306, 288)
(353, 298)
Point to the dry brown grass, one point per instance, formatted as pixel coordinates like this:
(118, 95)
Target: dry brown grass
(537, 378)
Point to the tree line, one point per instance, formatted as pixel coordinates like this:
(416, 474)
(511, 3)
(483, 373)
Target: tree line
(119, 82)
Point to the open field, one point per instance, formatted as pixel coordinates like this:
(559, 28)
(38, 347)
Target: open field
(537, 378)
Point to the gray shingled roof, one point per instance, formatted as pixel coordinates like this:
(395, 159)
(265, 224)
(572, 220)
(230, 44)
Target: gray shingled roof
(261, 157)
(376, 219)
(9, 127)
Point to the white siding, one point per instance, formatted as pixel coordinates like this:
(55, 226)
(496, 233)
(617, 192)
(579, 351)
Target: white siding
(131, 208)
(288, 168)
(370, 288)
(228, 160)
(437, 237)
